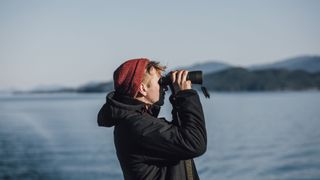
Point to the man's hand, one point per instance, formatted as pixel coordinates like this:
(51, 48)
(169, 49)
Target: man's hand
(179, 81)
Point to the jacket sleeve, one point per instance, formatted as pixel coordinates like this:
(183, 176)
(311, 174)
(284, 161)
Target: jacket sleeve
(172, 140)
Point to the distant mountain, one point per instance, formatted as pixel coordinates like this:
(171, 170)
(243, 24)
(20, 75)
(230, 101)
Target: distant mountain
(92, 87)
(207, 67)
(96, 87)
(50, 88)
(240, 79)
(306, 63)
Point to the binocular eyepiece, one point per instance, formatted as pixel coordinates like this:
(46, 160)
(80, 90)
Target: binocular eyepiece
(194, 76)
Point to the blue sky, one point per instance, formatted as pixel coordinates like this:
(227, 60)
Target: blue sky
(70, 43)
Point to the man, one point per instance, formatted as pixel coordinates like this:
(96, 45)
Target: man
(149, 147)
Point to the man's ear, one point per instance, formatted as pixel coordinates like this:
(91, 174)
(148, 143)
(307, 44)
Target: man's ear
(142, 89)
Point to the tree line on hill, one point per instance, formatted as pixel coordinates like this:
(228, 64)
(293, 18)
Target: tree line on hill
(240, 79)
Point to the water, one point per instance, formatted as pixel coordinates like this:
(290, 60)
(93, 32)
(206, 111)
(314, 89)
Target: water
(250, 136)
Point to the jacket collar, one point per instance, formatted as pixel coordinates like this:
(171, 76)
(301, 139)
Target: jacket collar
(129, 103)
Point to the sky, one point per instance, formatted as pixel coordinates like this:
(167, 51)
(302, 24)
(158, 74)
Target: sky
(74, 42)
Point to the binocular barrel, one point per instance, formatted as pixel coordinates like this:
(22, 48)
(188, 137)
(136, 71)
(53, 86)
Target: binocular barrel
(194, 76)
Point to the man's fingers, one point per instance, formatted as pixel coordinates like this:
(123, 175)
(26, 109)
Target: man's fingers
(179, 75)
(173, 76)
(179, 80)
(184, 75)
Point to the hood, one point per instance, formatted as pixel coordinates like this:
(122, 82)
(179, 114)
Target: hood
(120, 107)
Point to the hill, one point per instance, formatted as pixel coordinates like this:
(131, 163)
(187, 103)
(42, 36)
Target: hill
(240, 79)
(306, 63)
(207, 67)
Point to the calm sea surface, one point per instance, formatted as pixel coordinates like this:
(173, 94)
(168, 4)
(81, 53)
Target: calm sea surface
(250, 136)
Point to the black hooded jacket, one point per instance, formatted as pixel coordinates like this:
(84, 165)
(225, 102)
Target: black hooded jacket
(152, 148)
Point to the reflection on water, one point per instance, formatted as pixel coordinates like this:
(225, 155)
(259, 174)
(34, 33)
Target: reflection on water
(250, 136)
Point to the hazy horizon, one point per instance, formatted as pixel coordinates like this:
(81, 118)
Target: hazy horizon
(44, 43)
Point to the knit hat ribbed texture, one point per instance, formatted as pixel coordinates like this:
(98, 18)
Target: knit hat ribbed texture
(128, 76)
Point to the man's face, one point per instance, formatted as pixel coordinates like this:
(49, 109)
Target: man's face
(153, 87)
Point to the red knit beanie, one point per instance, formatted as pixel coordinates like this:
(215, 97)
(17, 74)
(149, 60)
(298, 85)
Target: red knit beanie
(128, 76)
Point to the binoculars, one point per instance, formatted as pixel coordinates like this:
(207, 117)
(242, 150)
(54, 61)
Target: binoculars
(194, 76)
